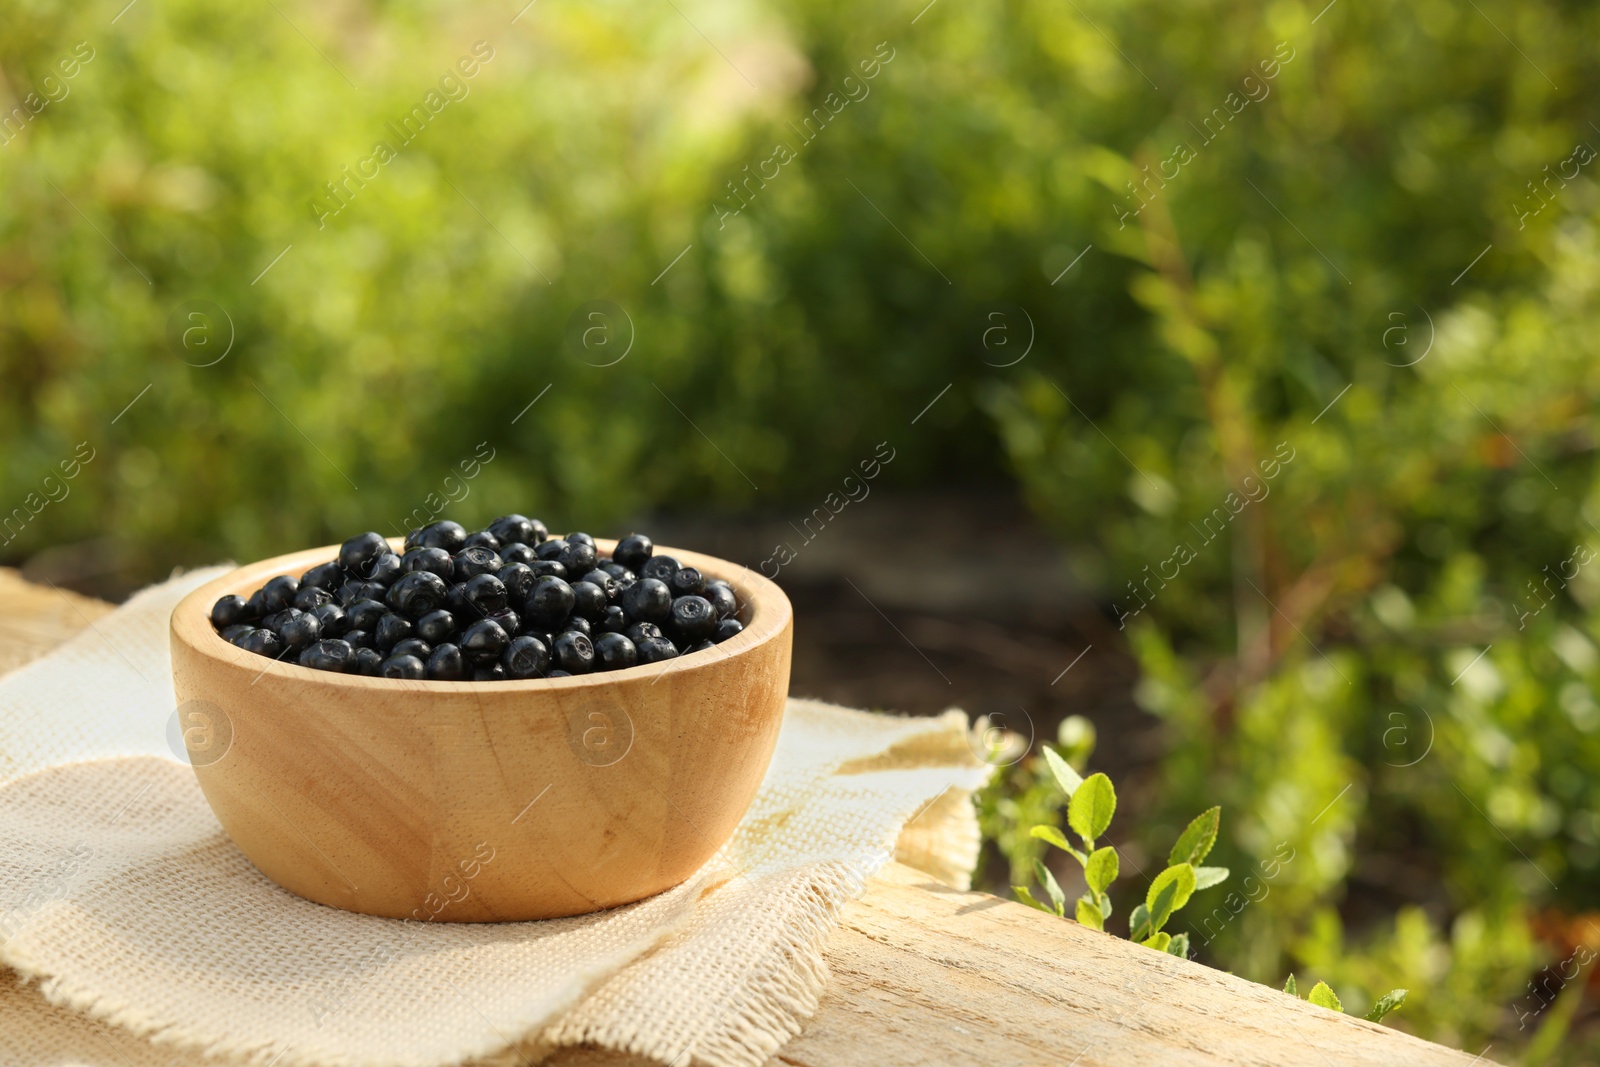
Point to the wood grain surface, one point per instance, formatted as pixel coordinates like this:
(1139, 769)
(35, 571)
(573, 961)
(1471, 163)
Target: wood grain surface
(925, 975)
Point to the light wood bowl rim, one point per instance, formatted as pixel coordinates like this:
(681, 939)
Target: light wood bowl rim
(767, 609)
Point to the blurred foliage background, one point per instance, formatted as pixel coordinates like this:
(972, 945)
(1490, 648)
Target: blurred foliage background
(1380, 259)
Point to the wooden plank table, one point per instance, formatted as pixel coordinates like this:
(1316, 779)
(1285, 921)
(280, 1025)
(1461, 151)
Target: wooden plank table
(925, 974)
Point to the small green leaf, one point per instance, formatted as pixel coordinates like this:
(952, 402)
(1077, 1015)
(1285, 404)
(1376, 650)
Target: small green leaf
(1386, 1003)
(1058, 839)
(1194, 844)
(1179, 946)
(1088, 914)
(1091, 807)
(1139, 923)
(1289, 986)
(1170, 891)
(1027, 898)
(1323, 997)
(1052, 887)
(1101, 870)
(1206, 877)
(1068, 779)
(1159, 942)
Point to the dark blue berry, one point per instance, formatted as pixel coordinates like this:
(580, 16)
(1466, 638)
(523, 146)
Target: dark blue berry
(549, 602)
(550, 549)
(727, 628)
(588, 601)
(483, 641)
(311, 597)
(634, 551)
(614, 652)
(601, 577)
(367, 661)
(578, 624)
(230, 611)
(580, 538)
(511, 529)
(417, 594)
(687, 581)
(445, 534)
(364, 614)
(333, 619)
(656, 649)
(648, 600)
(356, 589)
(356, 553)
(299, 628)
(402, 667)
(231, 634)
(456, 603)
(640, 632)
(661, 568)
(614, 621)
(550, 567)
(482, 539)
(358, 639)
(384, 569)
(616, 570)
(446, 664)
(693, 619)
(263, 643)
(436, 560)
(517, 552)
(525, 657)
(475, 560)
(436, 626)
(699, 646)
(722, 598)
(574, 652)
(579, 557)
(412, 646)
(492, 672)
(486, 593)
(279, 593)
(507, 620)
(559, 673)
(391, 630)
(323, 576)
(332, 655)
(518, 580)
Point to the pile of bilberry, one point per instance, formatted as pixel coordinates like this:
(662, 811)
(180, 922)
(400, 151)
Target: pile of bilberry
(509, 601)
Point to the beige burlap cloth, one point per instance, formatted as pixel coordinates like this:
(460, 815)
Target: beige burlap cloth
(136, 934)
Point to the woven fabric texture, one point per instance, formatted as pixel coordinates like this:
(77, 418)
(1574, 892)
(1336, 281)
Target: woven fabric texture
(136, 933)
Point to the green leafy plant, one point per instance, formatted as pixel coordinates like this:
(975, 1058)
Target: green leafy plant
(1091, 802)
(1323, 996)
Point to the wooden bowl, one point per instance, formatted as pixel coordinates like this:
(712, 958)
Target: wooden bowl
(481, 801)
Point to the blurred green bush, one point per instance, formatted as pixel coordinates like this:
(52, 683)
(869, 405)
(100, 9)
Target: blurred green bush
(1364, 239)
